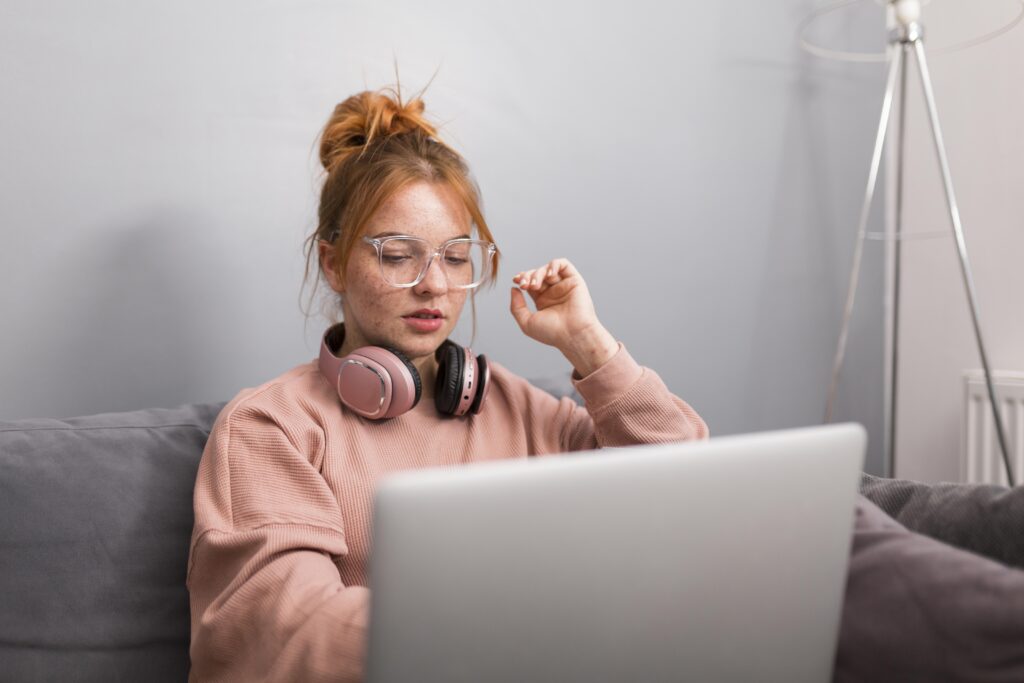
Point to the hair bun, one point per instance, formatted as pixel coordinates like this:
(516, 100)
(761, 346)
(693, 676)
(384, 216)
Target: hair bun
(368, 116)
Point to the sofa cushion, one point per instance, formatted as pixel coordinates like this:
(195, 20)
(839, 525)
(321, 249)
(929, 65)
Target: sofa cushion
(95, 522)
(983, 518)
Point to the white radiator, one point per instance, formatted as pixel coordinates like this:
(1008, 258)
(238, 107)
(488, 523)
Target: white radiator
(981, 460)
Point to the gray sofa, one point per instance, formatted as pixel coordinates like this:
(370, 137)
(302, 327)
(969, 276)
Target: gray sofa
(96, 517)
(95, 522)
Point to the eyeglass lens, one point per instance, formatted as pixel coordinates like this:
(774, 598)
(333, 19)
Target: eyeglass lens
(403, 261)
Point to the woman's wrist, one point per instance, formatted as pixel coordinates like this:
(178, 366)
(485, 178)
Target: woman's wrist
(590, 349)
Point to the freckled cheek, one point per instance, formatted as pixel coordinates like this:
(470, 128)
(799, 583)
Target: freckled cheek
(371, 301)
(378, 308)
(457, 309)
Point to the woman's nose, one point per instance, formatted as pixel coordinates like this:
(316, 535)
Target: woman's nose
(435, 280)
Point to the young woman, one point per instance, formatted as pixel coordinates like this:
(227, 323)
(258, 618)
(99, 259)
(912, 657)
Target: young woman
(278, 561)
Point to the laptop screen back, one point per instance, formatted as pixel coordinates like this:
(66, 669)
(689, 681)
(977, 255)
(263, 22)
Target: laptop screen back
(722, 560)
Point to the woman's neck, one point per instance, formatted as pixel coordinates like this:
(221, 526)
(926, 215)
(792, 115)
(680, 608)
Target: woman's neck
(427, 367)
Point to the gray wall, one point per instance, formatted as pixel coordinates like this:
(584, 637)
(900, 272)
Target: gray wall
(159, 175)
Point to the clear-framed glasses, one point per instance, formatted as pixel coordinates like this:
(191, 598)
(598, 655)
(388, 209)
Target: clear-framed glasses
(404, 260)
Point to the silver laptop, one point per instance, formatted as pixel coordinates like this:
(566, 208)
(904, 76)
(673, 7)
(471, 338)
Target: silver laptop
(722, 560)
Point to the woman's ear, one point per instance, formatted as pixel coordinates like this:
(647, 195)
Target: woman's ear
(329, 265)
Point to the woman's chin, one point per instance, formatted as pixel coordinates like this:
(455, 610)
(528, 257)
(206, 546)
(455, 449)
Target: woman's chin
(421, 345)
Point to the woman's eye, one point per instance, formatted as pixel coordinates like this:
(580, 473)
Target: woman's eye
(456, 261)
(394, 258)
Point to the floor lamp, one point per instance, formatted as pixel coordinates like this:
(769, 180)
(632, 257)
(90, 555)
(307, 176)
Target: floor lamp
(906, 41)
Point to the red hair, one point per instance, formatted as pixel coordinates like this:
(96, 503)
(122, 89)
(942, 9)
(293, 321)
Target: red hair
(372, 146)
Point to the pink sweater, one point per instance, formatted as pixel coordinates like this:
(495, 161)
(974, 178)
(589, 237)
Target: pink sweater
(278, 559)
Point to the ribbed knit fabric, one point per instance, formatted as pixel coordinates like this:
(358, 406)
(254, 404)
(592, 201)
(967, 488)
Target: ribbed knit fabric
(278, 559)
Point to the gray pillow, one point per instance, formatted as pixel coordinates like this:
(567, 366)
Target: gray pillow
(95, 522)
(559, 386)
(987, 520)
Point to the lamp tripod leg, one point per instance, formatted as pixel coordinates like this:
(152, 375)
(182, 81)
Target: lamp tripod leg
(869, 192)
(894, 253)
(958, 233)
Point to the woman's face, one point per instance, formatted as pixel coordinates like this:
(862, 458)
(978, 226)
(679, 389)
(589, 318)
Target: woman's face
(380, 314)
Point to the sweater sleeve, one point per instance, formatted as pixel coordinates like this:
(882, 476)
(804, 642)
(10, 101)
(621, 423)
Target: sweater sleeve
(267, 600)
(625, 404)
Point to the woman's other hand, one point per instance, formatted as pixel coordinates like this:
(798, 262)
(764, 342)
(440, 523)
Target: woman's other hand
(565, 316)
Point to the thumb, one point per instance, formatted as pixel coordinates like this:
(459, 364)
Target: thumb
(518, 308)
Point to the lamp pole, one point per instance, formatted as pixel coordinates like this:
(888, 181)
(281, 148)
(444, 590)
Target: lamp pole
(906, 40)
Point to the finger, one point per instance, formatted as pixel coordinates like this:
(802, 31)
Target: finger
(535, 278)
(519, 309)
(534, 295)
(567, 269)
(525, 278)
(547, 275)
(557, 270)
(539, 279)
(552, 294)
(542, 274)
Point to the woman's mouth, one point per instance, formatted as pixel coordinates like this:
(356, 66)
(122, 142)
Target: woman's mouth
(425, 320)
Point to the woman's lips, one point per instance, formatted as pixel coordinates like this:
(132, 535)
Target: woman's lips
(424, 324)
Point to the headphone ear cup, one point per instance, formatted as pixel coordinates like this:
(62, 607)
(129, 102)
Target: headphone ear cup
(377, 383)
(448, 384)
(374, 382)
(483, 381)
(417, 382)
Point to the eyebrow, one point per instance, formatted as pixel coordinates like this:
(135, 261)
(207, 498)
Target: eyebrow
(400, 234)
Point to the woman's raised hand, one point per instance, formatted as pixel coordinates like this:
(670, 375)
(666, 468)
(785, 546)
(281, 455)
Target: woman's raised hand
(565, 317)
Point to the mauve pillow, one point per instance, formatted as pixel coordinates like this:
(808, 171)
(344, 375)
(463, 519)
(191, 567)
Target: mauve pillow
(95, 522)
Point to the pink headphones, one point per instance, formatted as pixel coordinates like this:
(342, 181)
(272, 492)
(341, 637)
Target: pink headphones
(378, 382)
